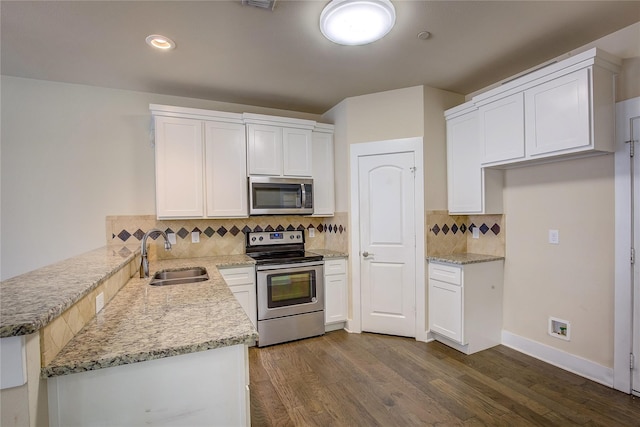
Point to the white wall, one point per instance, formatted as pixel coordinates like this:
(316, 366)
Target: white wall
(71, 155)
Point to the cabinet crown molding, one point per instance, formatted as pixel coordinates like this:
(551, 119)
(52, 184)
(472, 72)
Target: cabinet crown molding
(194, 113)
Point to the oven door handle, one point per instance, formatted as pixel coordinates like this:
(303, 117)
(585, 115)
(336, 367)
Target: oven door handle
(289, 266)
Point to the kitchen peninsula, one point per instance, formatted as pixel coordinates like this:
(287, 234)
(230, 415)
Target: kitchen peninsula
(154, 354)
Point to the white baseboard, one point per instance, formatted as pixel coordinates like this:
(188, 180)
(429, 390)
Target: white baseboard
(561, 359)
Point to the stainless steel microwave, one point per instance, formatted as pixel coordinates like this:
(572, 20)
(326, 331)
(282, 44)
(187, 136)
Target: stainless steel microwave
(280, 196)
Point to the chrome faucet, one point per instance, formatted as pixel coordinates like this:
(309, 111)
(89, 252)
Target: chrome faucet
(144, 265)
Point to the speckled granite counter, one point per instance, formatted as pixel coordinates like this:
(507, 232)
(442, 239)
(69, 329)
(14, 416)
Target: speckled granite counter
(466, 258)
(145, 322)
(30, 301)
(329, 253)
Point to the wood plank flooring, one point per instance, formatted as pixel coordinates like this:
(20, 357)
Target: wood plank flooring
(343, 379)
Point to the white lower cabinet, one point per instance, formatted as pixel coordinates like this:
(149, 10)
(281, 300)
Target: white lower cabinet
(203, 388)
(242, 282)
(465, 304)
(335, 292)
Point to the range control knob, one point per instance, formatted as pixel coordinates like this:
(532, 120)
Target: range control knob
(253, 239)
(261, 238)
(299, 236)
(291, 237)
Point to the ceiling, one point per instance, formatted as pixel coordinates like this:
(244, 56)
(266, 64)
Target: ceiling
(243, 54)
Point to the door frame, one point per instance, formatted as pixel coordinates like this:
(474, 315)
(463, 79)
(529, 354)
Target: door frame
(414, 145)
(623, 293)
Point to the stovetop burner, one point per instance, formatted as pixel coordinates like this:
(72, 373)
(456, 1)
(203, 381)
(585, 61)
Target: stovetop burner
(280, 247)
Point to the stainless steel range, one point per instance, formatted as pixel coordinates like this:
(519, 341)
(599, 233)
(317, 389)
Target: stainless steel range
(290, 287)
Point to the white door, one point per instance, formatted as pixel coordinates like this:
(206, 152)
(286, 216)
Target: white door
(387, 243)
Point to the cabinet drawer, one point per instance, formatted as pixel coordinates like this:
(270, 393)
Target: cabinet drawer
(335, 266)
(238, 276)
(445, 273)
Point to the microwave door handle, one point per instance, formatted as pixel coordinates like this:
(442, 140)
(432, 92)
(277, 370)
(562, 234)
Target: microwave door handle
(304, 196)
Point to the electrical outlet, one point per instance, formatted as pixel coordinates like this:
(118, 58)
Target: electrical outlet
(172, 238)
(195, 237)
(554, 237)
(475, 233)
(312, 232)
(99, 302)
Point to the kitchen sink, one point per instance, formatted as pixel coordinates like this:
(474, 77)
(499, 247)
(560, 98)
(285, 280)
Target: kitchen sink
(179, 276)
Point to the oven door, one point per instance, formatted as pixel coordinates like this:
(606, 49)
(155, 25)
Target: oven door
(289, 289)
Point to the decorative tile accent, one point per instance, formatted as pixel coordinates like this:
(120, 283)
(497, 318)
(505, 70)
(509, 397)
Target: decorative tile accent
(139, 234)
(484, 228)
(269, 228)
(246, 229)
(182, 233)
(454, 228)
(496, 229)
(320, 228)
(209, 231)
(435, 229)
(124, 235)
(301, 228)
(222, 231)
(196, 229)
(258, 229)
(463, 228)
(279, 228)
(445, 229)
(291, 228)
(234, 231)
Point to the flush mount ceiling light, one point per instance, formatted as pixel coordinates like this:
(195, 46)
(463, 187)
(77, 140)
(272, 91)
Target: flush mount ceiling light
(160, 42)
(357, 22)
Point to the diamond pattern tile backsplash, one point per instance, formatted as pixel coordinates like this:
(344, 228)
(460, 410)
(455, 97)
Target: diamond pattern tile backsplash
(446, 234)
(225, 236)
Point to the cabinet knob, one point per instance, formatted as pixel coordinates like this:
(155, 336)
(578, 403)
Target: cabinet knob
(366, 254)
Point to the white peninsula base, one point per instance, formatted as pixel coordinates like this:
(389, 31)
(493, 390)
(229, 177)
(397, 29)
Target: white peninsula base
(203, 388)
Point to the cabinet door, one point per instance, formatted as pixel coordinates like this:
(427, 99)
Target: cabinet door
(241, 282)
(246, 296)
(502, 130)
(465, 178)
(297, 151)
(557, 115)
(225, 170)
(265, 150)
(446, 310)
(335, 305)
(179, 168)
(323, 178)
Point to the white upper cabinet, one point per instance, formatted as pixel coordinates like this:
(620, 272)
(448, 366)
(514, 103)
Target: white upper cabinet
(502, 129)
(471, 189)
(323, 177)
(297, 151)
(558, 114)
(562, 110)
(265, 150)
(279, 146)
(200, 163)
(225, 170)
(179, 168)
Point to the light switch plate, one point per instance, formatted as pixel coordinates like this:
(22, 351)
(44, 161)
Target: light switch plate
(554, 237)
(195, 237)
(312, 232)
(475, 233)
(172, 238)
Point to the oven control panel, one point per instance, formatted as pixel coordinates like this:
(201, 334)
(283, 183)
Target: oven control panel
(260, 238)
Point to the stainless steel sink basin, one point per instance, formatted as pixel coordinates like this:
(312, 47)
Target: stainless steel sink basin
(179, 276)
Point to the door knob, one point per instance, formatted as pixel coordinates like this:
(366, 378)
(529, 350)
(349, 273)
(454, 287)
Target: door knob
(366, 254)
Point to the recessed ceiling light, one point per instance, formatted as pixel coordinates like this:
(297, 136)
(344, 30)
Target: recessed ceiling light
(357, 22)
(160, 42)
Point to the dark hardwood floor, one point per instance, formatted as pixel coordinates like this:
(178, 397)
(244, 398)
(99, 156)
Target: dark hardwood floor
(343, 379)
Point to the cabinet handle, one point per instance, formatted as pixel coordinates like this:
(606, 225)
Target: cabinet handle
(304, 196)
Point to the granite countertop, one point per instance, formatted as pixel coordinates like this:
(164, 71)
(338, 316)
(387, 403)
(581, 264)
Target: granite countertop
(327, 253)
(32, 300)
(144, 322)
(465, 258)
